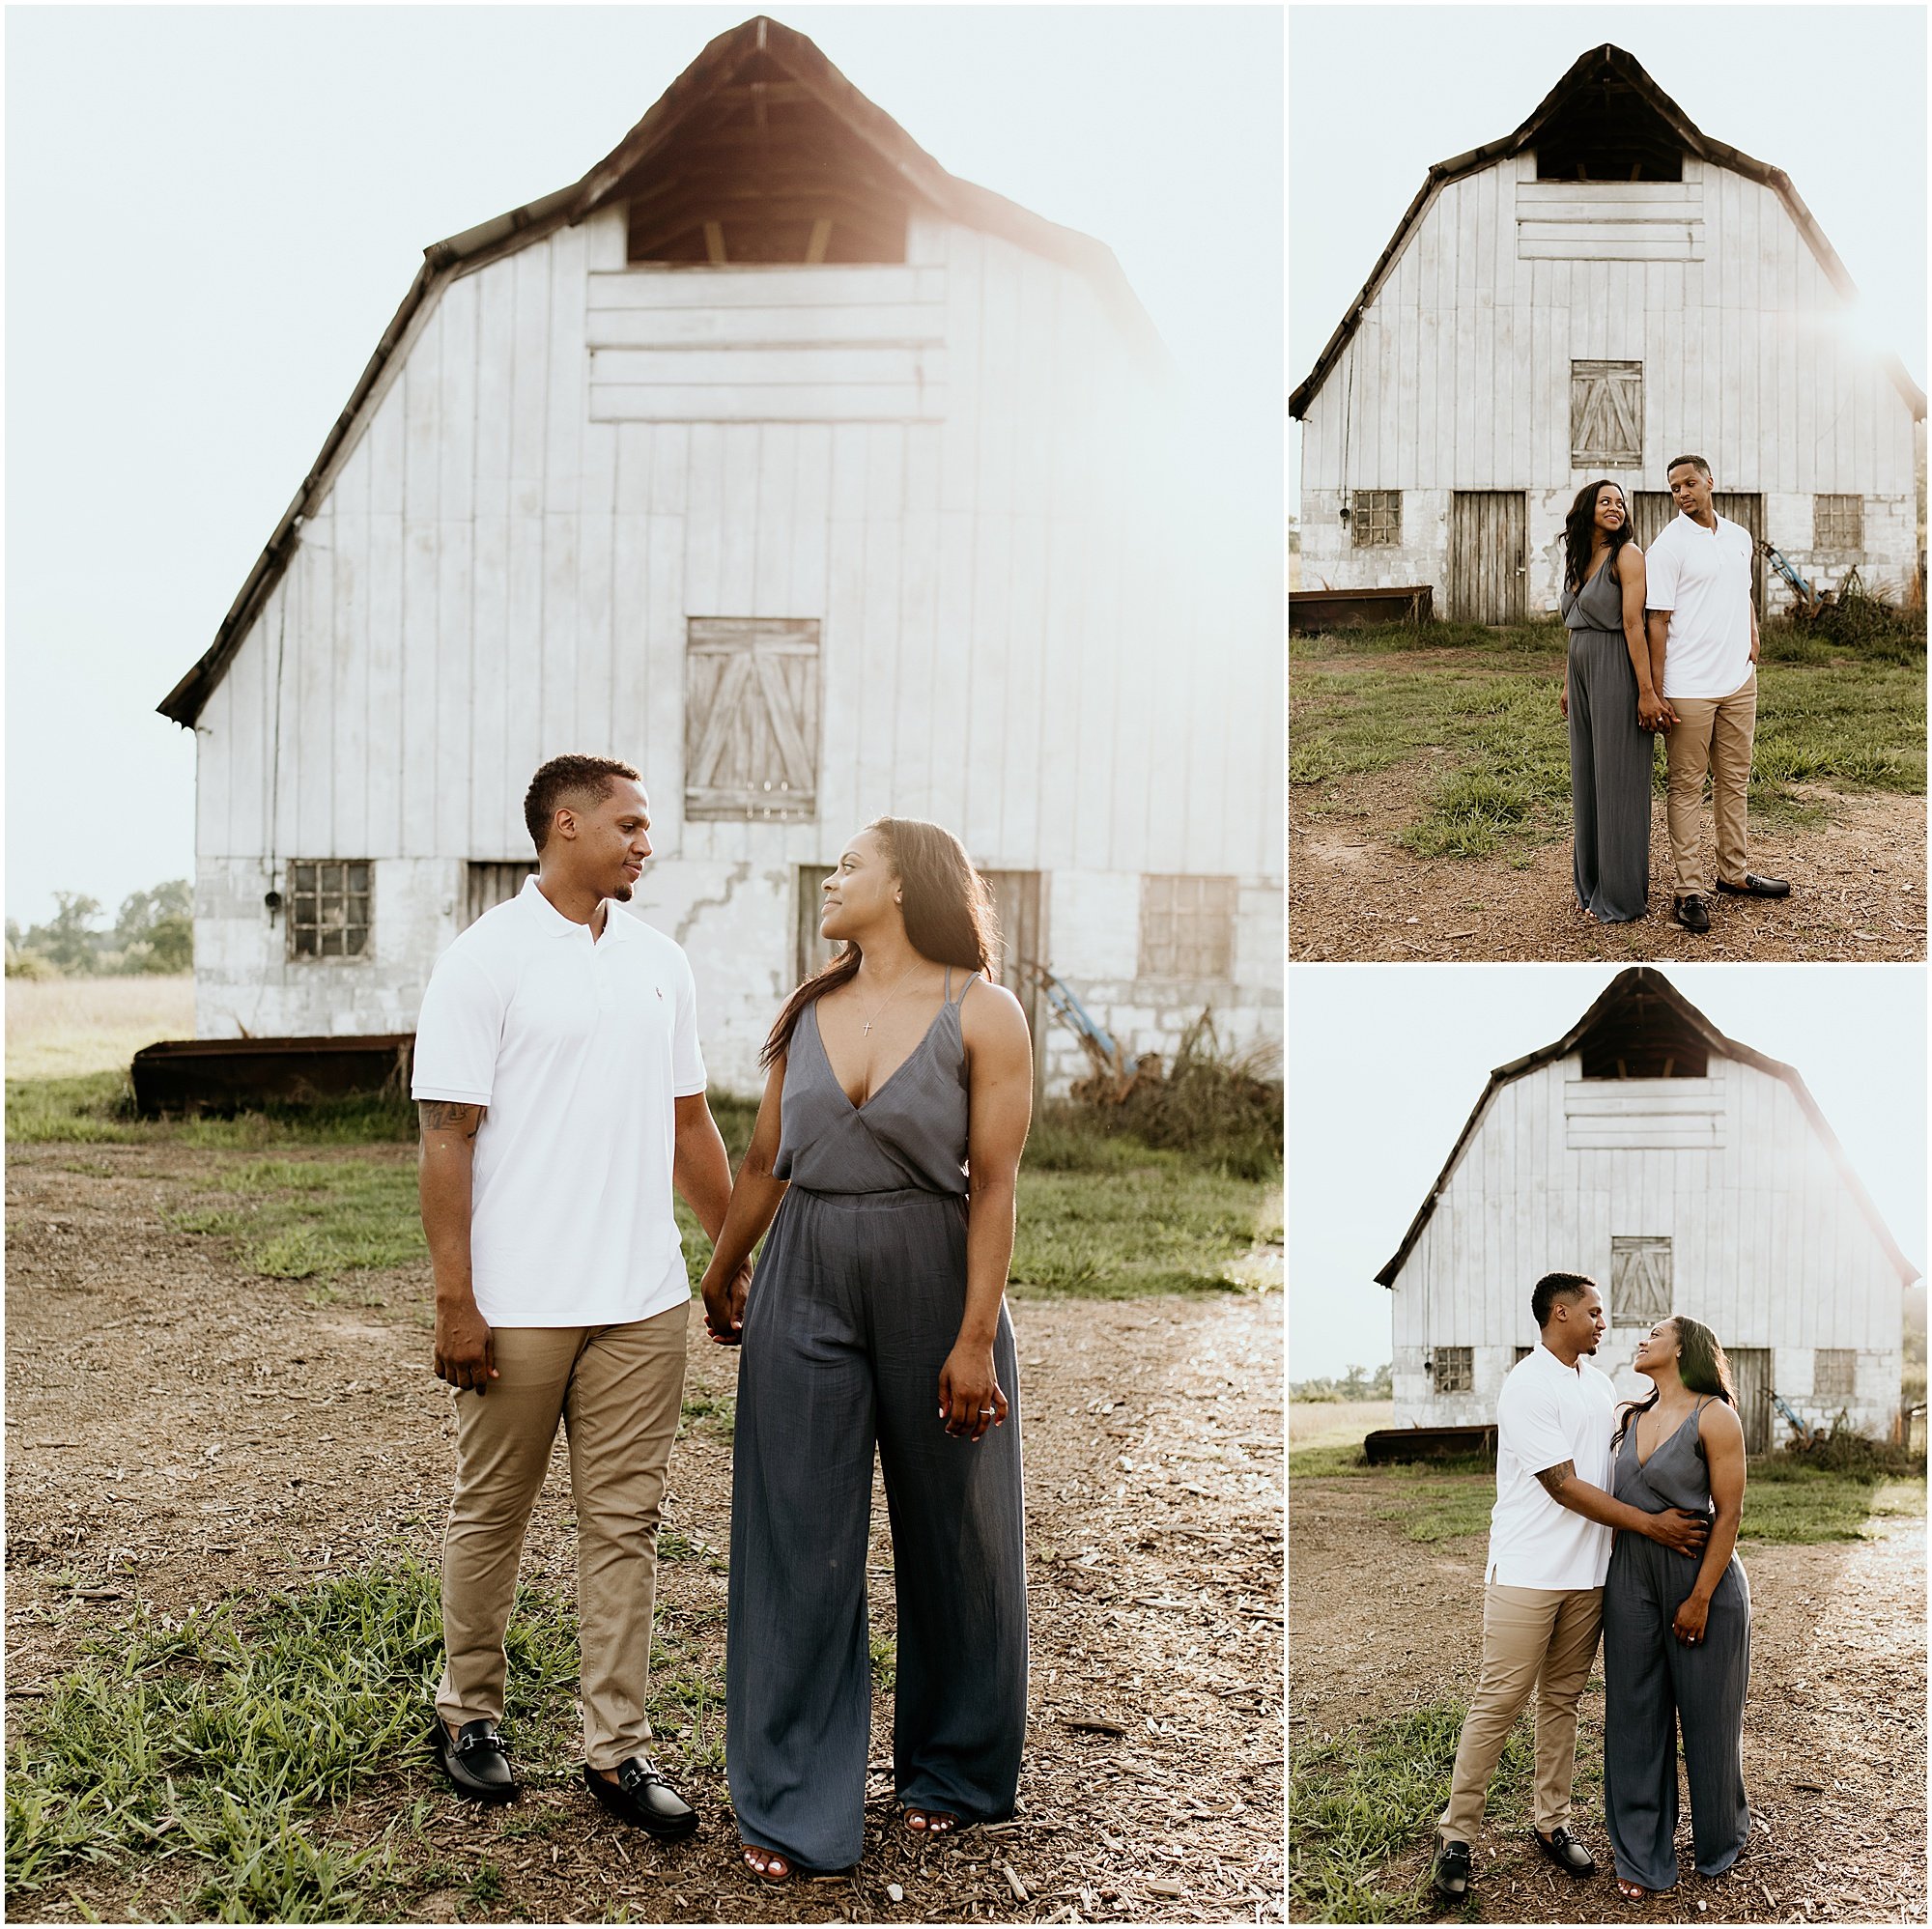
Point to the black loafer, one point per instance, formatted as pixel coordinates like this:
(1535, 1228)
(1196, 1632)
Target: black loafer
(1566, 1851)
(1754, 886)
(477, 1762)
(1693, 913)
(1452, 1872)
(641, 1794)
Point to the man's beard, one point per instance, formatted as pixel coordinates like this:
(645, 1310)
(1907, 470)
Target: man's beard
(623, 892)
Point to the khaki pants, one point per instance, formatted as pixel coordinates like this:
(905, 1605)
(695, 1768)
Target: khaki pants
(1714, 733)
(1534, 1638)
(617, 1390)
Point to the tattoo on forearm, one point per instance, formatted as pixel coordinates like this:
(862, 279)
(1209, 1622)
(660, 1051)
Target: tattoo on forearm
(438, 1117)
(1552, 1478)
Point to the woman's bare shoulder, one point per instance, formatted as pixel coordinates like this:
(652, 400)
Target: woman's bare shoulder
(1630, 560)
(1720, 1418)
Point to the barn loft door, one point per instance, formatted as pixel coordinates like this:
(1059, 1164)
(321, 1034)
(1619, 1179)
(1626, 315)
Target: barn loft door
(1751, 1374)
(751, 722)
(1489, 555)
(1652, 511)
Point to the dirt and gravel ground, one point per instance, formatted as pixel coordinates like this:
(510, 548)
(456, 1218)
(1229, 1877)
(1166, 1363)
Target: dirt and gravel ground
(1835, 1727)
(178, 1429)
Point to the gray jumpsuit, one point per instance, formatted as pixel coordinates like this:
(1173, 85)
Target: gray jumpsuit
(855, 1305)
(1609, 755)
(1653, 1682)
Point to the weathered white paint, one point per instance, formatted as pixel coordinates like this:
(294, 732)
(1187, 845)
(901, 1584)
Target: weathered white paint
(1769, 1248)
(1458, 375)
(1016, 639)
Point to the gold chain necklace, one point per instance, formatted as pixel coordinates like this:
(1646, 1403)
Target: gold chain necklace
(899, 985)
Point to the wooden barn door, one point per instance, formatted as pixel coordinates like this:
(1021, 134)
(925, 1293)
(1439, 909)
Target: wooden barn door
(1018, 903)
(1489, 555)
(1652, 510)
(489, 885)
(1751, 1374)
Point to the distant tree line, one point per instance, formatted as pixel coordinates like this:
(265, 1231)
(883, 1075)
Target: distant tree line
(1356, 1383)
(155, 932)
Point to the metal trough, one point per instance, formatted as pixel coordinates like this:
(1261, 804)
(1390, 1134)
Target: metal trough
(1429, 1443)
(226, 1075)
(1311, 609)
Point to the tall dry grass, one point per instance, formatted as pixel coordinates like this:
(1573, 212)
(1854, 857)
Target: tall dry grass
(69, 1027)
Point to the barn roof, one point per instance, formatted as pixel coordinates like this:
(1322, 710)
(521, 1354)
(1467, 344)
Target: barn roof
(758, 62)
(1604, 75)
(1641, 1011)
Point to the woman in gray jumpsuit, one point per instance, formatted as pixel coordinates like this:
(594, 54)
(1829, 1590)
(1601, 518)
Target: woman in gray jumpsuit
(1677, 1626)
(1611, 703)
(884, 1163)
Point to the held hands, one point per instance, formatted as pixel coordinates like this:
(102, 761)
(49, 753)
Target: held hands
(465, 1352)
(1688, 1627)
(724, 1303)
(1682, 1532)
(1652, 713)
(970, 1399)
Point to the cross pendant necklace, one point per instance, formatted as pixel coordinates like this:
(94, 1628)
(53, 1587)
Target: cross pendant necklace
(893, 993)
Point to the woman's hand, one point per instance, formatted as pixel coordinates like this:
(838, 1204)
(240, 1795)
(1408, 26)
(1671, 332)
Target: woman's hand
(970, 1399)
(1688, 1627)
(1652, 713)
(724, 1303)
(1563, 700)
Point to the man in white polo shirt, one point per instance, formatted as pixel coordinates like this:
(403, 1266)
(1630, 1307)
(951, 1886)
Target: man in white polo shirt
(1543, 1592)
(561, 1092)
(1703, 655)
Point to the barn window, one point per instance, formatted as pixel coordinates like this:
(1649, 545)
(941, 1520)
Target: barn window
(495, 882)
(328, 908)
(1639, 1280)
(1376, 518)
(1605, 414)
(1455, 1369)
(1837, 521)
(750, 717)
(1834, 1373)
(1187, 928)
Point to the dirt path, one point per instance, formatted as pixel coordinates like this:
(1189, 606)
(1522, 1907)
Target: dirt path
(1858, 889)
(177, 1429)
(1835, 1727)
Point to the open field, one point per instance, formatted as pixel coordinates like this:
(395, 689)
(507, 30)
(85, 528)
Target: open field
(1428, 805)
(1385, 1570)
(69, 1027)
(227, 1466)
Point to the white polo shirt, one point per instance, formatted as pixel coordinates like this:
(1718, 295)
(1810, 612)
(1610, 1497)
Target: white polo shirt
(1703, 578)
(1546, 1414)
(577, 1048)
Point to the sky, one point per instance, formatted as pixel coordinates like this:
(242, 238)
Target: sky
(1389, 1061)
(213, 214)
(1834, 96)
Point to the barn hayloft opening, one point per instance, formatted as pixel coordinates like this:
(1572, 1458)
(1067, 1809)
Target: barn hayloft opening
(762, 172)
(1644, 1038)
(1607, 131)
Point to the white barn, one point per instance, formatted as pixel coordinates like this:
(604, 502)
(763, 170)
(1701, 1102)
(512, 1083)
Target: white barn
(819, 484)
(1600, 290)
(1685, 1173)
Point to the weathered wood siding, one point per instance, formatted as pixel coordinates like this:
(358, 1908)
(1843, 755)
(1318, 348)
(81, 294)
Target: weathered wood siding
(1459, 376)
(1769, 1248)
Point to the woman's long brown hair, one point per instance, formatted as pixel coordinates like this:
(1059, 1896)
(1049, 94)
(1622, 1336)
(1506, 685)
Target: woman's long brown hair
(946, 907)
(1580, 529)
(1701, 1366)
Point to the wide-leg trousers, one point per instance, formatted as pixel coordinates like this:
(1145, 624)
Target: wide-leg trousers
(1653, 1684)
(855, 1306)
(1609, 778)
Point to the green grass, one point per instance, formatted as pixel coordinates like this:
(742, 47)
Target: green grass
(99, 1109)
(1121, 1235)
(1482, 729)
(1786, 1502)
(312, 1218)
(212, 1757)
(1362, 1800)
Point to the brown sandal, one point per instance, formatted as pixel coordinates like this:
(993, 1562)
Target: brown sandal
(928, 1821)
(778, 1867)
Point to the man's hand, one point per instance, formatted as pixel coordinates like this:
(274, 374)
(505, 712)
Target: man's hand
(724, 1304)
(1652, 713)
(466, 1351)
(1681, 1532)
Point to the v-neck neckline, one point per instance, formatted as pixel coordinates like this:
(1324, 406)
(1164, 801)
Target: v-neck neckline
(1643, 1460)
(859, 1107)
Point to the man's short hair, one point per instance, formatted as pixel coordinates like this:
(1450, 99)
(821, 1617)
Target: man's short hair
(579, 781)
(1695, 462)
(1555, 1285)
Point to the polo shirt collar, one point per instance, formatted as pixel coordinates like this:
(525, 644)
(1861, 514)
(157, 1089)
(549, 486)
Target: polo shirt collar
(1554, 1365)
(556, 925)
